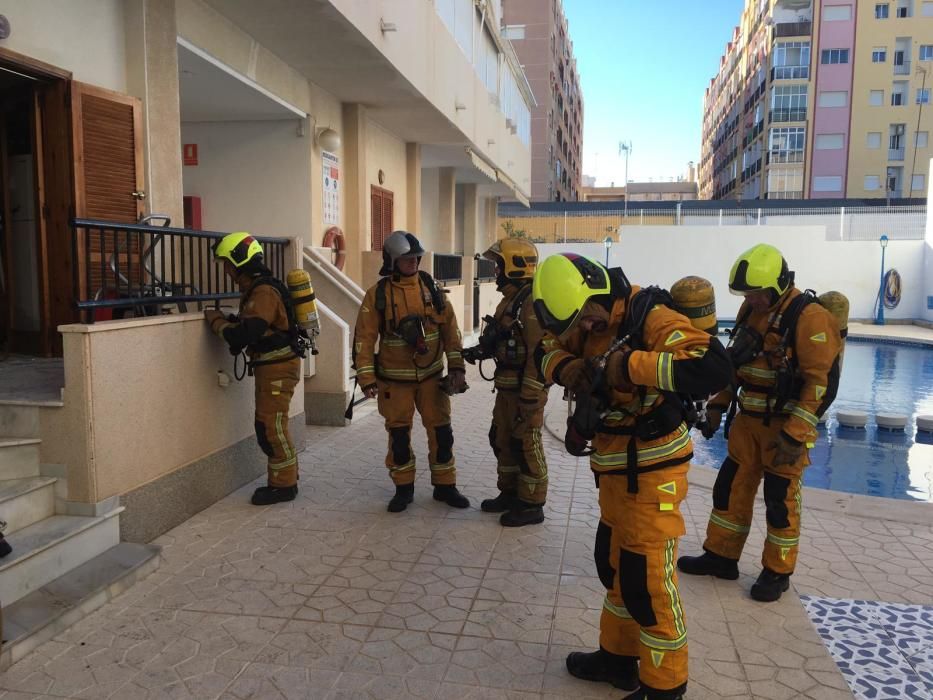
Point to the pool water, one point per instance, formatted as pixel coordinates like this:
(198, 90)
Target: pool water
(877, 377)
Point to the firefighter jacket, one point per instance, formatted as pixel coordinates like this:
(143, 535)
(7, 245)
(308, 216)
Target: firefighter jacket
(262, 326)
(672, 357)
(516, 369)
(381, 315)
(812, 353)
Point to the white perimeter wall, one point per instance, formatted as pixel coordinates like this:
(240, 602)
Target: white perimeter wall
(926, 300)
(663, 254)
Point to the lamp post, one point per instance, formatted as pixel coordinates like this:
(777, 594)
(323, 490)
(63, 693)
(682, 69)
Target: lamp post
(627, 148)
(608, 244)
(879, 318)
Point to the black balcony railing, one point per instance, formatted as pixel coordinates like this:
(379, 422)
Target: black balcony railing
(786, 29)
(788, 114)
(485, 270)
(448, 268)
(118, 268)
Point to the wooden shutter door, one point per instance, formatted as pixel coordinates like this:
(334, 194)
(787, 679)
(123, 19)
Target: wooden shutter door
(107, 137)
(376, 237)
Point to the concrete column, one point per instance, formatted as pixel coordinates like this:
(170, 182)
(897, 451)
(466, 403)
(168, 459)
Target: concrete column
(152, 75)
(413, 186)
(447, 210)
(473, 237)
(356, 193)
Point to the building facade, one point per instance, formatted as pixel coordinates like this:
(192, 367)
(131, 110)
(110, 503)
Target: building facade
(679, 191)
(821, 99)
(540, 34)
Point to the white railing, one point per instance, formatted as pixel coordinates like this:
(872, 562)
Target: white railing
(841, 223)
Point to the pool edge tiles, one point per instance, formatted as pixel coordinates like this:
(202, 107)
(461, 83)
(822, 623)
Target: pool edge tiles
(884, 650)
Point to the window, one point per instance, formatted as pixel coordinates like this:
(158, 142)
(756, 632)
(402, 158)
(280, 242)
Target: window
(881, 11)
(829, 142)
(791, 60)
(833, 99)
(926, 52)
(897, 140)
(921, 139)
(837, 13)
(899, 93)
(918, 184)
(903, 8)
(785, 183)
(879, 54)
(874, 139)
(381, 211)
(827, 183)
(786, 144)
(834, 56)
(789, 103)
(927, 8)
(872, 183)
(923, 96)
(876, 98)
(514, 32)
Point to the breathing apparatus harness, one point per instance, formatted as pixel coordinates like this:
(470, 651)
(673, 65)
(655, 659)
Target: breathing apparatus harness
(495, 331)
(294, 337)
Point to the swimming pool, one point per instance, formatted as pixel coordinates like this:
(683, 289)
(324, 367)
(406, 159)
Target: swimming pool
(877, 377)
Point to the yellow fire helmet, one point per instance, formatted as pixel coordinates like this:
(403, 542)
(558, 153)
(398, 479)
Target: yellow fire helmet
(562, 286)
(760, 268)
(517, 258)
(237, 248)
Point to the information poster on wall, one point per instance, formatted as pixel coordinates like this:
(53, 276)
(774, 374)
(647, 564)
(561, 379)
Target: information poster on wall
(331, 166)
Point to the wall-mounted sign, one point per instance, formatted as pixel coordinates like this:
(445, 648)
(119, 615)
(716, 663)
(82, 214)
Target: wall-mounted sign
(331, 168)
(189, 154)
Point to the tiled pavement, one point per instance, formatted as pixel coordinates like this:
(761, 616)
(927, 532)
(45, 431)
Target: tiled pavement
(332, 597)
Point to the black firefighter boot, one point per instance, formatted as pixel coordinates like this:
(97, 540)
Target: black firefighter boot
(604, 667)
(523, 513)
(506, 500)
(769, 586)
(5, 547)
(451, 496)
(710, 564)
(404, 494)
(267, 495)
(646, 693)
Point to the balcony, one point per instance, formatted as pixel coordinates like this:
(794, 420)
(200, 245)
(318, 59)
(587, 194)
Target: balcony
(788, 114)
(898, 99)
(902, 68)
(785, 157)
(896, 153)
(788, 29)
(790, 73)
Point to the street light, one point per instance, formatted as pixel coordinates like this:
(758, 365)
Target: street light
(627, 148)
(879, 318)
(921, 69)
(608, 244)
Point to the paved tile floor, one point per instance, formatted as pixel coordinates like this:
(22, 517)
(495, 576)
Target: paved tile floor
(332, 597)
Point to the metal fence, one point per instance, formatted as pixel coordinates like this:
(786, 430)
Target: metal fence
(858, 223)
(119, 268)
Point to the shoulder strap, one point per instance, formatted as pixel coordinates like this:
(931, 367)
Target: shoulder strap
(519, 301)
(639, 305)
(788, 325)
(294, 331)
(437, 296)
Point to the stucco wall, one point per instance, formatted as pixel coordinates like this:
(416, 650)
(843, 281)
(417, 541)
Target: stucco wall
(662, 255)
(86, 38)
(387, 153)
(252, 176)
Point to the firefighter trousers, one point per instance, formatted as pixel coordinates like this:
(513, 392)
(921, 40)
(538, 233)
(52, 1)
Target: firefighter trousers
(521, 465)
(397, 403)
(748, 462)
(275, 385)
(636, 553)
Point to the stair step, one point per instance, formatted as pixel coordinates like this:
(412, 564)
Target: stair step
(19, 421)
(55, 607)
(26, 501)
(19, 458)
(50, 548)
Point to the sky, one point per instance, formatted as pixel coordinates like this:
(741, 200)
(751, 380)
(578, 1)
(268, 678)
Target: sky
(644, 66)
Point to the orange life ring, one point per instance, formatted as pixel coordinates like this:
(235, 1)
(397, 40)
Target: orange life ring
(334, 239)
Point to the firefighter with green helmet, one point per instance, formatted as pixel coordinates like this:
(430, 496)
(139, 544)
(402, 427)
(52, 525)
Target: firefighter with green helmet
(630, 347)
(265, 329)
(786, 352)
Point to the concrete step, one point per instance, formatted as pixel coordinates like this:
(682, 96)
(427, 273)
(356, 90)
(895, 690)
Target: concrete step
(19, 420)
(26, 501)
(52, 547)
(58, 605)
(19, 457)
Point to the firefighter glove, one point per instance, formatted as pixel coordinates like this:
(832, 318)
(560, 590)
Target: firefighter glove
(370, 391)
(576, 375)
(211, 315)
(457, 379)
(713, 419)
(617, 371)
(787, 450)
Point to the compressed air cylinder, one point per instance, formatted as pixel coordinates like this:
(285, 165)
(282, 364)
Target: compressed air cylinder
(838, 305)
(696, 299)
(299, 285)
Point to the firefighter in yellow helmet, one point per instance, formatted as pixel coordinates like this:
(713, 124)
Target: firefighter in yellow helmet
(631, 354)
(415, 327)
(266, 329)
(785, 350)
(509, 338)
